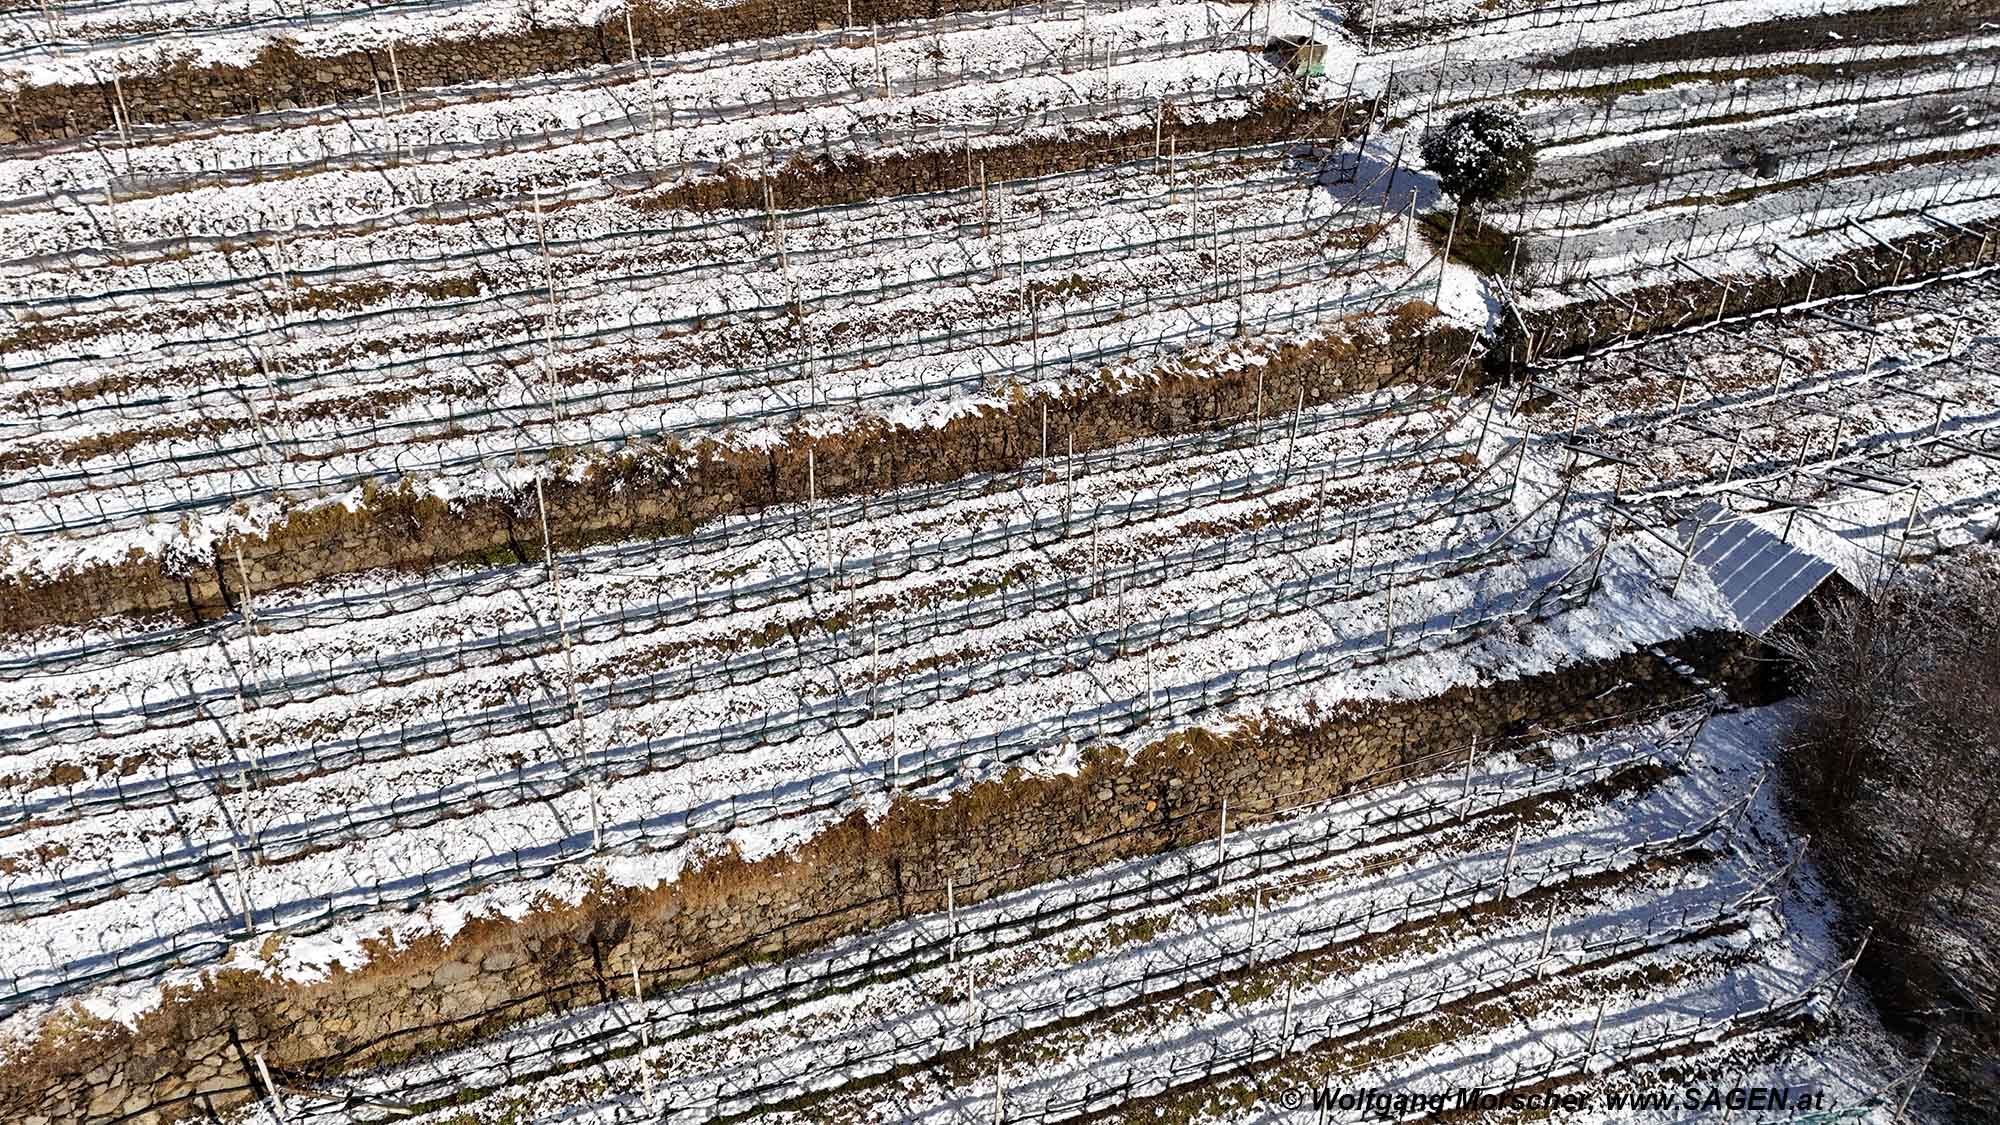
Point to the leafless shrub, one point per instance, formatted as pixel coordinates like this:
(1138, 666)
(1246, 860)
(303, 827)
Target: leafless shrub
(1896, 772)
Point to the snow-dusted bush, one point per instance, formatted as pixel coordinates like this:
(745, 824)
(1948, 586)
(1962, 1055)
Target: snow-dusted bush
(1480, 155)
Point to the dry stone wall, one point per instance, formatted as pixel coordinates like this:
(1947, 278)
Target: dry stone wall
(999, 836)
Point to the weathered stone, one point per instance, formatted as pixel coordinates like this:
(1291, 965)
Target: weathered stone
(452, 973)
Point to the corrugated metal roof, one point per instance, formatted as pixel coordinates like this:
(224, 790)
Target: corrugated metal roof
(1763, 577)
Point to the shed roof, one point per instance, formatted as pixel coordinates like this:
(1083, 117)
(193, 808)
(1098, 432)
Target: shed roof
(1761, 576)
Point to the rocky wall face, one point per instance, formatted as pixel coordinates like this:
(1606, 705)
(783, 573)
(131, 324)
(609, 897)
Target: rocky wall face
(999, 836)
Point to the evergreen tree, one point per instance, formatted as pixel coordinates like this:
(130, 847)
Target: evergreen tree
(1480, 155)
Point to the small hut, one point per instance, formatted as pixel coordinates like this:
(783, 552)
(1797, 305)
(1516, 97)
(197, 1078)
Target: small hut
(1305, 58)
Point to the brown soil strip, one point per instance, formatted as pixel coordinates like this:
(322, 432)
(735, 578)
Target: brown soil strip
(1690, 300)
(1925, 21)
(282, 78)
(1010, 833)
(672, 488)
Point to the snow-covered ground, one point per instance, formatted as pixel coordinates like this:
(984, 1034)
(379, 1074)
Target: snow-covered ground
(1041, 302)
(1307, 589)
(375, 330)
(1641, 902)
(1871, 427)
(213, 325)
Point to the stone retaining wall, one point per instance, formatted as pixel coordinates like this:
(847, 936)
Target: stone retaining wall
(995, 837)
